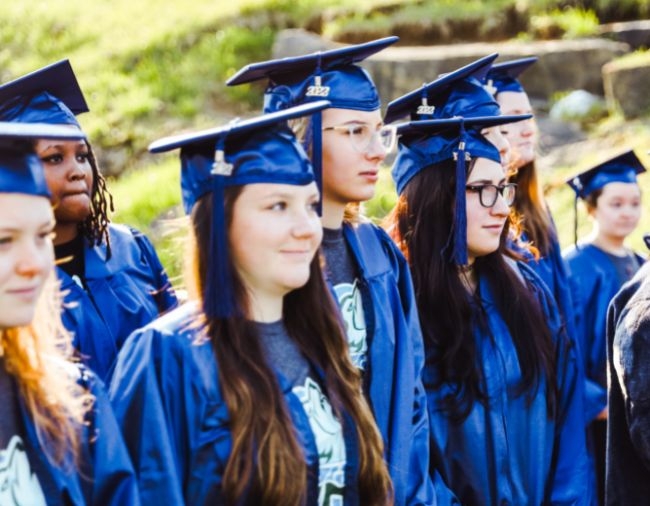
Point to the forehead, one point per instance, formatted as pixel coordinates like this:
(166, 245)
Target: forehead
(339, 116)
(619, 189)
(19, 210)
(484, 169)
(514, 101)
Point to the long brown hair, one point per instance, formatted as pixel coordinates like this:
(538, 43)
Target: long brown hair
(266, 464)
(421, 224)
(38, 357)
(531, 206)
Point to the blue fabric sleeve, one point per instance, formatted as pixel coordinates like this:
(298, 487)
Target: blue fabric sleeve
(136, 392)
(569, 477)
(420, 489)
(166, 296)
(113, 480)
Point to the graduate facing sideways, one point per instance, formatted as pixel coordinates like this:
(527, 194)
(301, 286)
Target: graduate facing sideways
(366, 271)
(505, 410)
(247, 394)
(111, 276)
(59, 443)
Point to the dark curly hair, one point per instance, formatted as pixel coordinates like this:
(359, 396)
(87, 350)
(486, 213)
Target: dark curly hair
(95, 227)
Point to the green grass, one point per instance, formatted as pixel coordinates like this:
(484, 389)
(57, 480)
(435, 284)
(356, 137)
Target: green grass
(152, 67)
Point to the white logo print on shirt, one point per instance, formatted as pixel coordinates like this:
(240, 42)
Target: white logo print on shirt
(18, 485)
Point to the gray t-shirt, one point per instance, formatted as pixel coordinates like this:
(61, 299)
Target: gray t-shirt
(626, 266)
(284, 356)
(19, 483)
(342, 274)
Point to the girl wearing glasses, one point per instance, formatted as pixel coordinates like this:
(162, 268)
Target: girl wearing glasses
(367, 273)
(59, 442)
(506, 422)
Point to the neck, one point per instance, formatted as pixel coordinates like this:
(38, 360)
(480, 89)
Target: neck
(265, 308)
(468, 276)
(613, 245)
(65, 232)
(333, 213)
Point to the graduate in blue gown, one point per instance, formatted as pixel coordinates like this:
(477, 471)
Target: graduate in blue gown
(368, 274)
(112, 278)
(246, 394)
(59, 442)
(504, 398)
(599, 265)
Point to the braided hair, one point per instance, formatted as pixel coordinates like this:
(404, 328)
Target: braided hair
(95, 227)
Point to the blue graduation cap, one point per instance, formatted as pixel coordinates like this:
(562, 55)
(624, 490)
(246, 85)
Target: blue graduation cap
(257, 150)
(48, 95)
(325, 75)
(622, 168)
(503, 76)
(427, 142)
(458, 93)
(331, 75)
(21, 170)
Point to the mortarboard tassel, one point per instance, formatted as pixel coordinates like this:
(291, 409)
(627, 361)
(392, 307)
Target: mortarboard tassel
(218, 299)
(459, 253)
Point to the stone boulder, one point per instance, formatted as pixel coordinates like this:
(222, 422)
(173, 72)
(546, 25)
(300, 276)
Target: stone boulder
(636, 34)
(626, 86)
(563, 64)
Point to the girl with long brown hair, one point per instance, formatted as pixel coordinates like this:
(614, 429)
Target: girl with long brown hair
(501, 378)
(59, 443)
(247, 394)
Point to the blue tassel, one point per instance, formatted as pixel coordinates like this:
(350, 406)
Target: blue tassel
(218, 301)
(459, 254)
(317, 156)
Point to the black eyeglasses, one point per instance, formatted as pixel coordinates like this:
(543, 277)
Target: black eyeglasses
(488, 193)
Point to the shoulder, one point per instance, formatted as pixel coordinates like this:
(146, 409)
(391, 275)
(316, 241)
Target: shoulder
(372, 236)
(175, 338)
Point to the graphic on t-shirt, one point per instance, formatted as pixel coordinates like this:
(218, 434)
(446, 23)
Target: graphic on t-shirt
(328, 434)
(18, 485)
(351, 304)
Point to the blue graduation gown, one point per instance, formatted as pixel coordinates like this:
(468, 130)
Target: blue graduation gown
(511, 452)
(395, 360)
(124, 293)
(105, 475)
(167, 400)
(594, 281)
(628, 421)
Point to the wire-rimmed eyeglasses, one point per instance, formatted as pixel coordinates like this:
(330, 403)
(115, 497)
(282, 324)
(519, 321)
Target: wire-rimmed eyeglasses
(488, 193)
(362, 136)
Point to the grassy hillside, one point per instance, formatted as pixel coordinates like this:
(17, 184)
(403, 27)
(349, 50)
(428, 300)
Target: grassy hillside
(152, 67)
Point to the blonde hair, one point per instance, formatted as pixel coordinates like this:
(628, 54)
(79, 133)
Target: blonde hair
(39, 357)
(353, 213)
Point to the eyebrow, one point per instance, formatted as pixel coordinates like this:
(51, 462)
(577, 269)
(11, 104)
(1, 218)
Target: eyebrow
(485, 181)
(43, 225)
(56, 144)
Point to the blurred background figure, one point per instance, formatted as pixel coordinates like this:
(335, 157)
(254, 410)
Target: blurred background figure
(599, 265)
